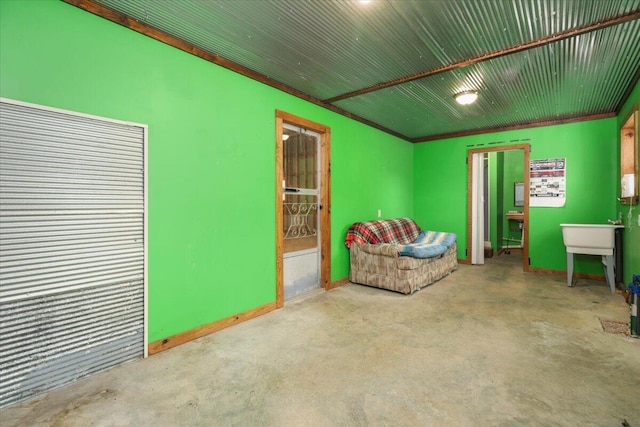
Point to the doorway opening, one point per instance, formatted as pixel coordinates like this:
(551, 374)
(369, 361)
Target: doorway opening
(302, 206)
(507, 211)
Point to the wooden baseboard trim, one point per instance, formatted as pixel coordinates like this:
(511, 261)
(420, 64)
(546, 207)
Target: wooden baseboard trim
(200, 331)
(337, 283)
(598, 277)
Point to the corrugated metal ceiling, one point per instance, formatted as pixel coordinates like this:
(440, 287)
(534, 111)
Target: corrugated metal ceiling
(328, 49)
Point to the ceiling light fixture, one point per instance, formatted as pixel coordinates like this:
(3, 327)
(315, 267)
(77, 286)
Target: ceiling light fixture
(467, 97)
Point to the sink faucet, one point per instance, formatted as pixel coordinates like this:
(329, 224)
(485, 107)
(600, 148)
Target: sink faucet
(616, 221)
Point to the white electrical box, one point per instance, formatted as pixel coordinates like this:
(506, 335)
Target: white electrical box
(627, 185)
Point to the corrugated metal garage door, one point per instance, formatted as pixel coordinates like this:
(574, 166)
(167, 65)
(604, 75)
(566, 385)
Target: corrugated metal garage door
(72, 247)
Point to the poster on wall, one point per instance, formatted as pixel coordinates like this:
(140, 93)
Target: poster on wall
(547, 185)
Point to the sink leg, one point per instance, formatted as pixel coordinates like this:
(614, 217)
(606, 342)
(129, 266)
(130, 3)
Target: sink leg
(608, 260)
(569, 269)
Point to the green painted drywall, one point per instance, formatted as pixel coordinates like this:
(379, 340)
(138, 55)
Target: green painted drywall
(211, 155)
(499, 212)
(513, 172)
(506, 167)
(440, 184)
(590, 149)
(369, 171)
(631, 236)
(495, 202)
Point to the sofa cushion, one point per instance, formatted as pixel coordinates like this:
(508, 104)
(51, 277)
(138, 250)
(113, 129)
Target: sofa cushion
(400, 231)
(428, 244)
(384, 249)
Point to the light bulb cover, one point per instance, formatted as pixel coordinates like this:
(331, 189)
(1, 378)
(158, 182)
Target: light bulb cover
(467, 97)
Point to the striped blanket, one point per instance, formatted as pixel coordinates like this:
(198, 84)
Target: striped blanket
(428, 244)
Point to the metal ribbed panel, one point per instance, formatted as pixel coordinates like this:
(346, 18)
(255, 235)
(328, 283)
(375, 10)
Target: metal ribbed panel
(71, 248)
(332, 48)
(559, 80)
(325, 48)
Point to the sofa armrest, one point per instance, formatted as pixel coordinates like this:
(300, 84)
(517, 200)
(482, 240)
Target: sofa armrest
(384, 249)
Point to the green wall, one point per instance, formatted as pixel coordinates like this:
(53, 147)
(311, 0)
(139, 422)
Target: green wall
(211, 155)
(632, 231)
(440, 183)
(590, 150)
(513, 172)
(505, 168)
(493, 200)
(496, 167)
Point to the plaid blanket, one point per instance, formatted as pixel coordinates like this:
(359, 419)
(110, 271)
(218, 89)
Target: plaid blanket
(400, 231)
(428, 244)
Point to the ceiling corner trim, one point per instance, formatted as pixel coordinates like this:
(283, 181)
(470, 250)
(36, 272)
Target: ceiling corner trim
(560, 121)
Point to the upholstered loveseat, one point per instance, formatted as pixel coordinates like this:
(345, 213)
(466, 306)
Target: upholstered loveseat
(395, 254)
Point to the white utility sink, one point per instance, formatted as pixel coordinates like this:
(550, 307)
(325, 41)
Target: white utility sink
(591, 239)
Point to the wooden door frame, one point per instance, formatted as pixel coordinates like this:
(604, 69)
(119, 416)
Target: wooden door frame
(325, 199)
(525, 224)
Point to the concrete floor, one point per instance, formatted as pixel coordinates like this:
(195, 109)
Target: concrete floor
(487, 346)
